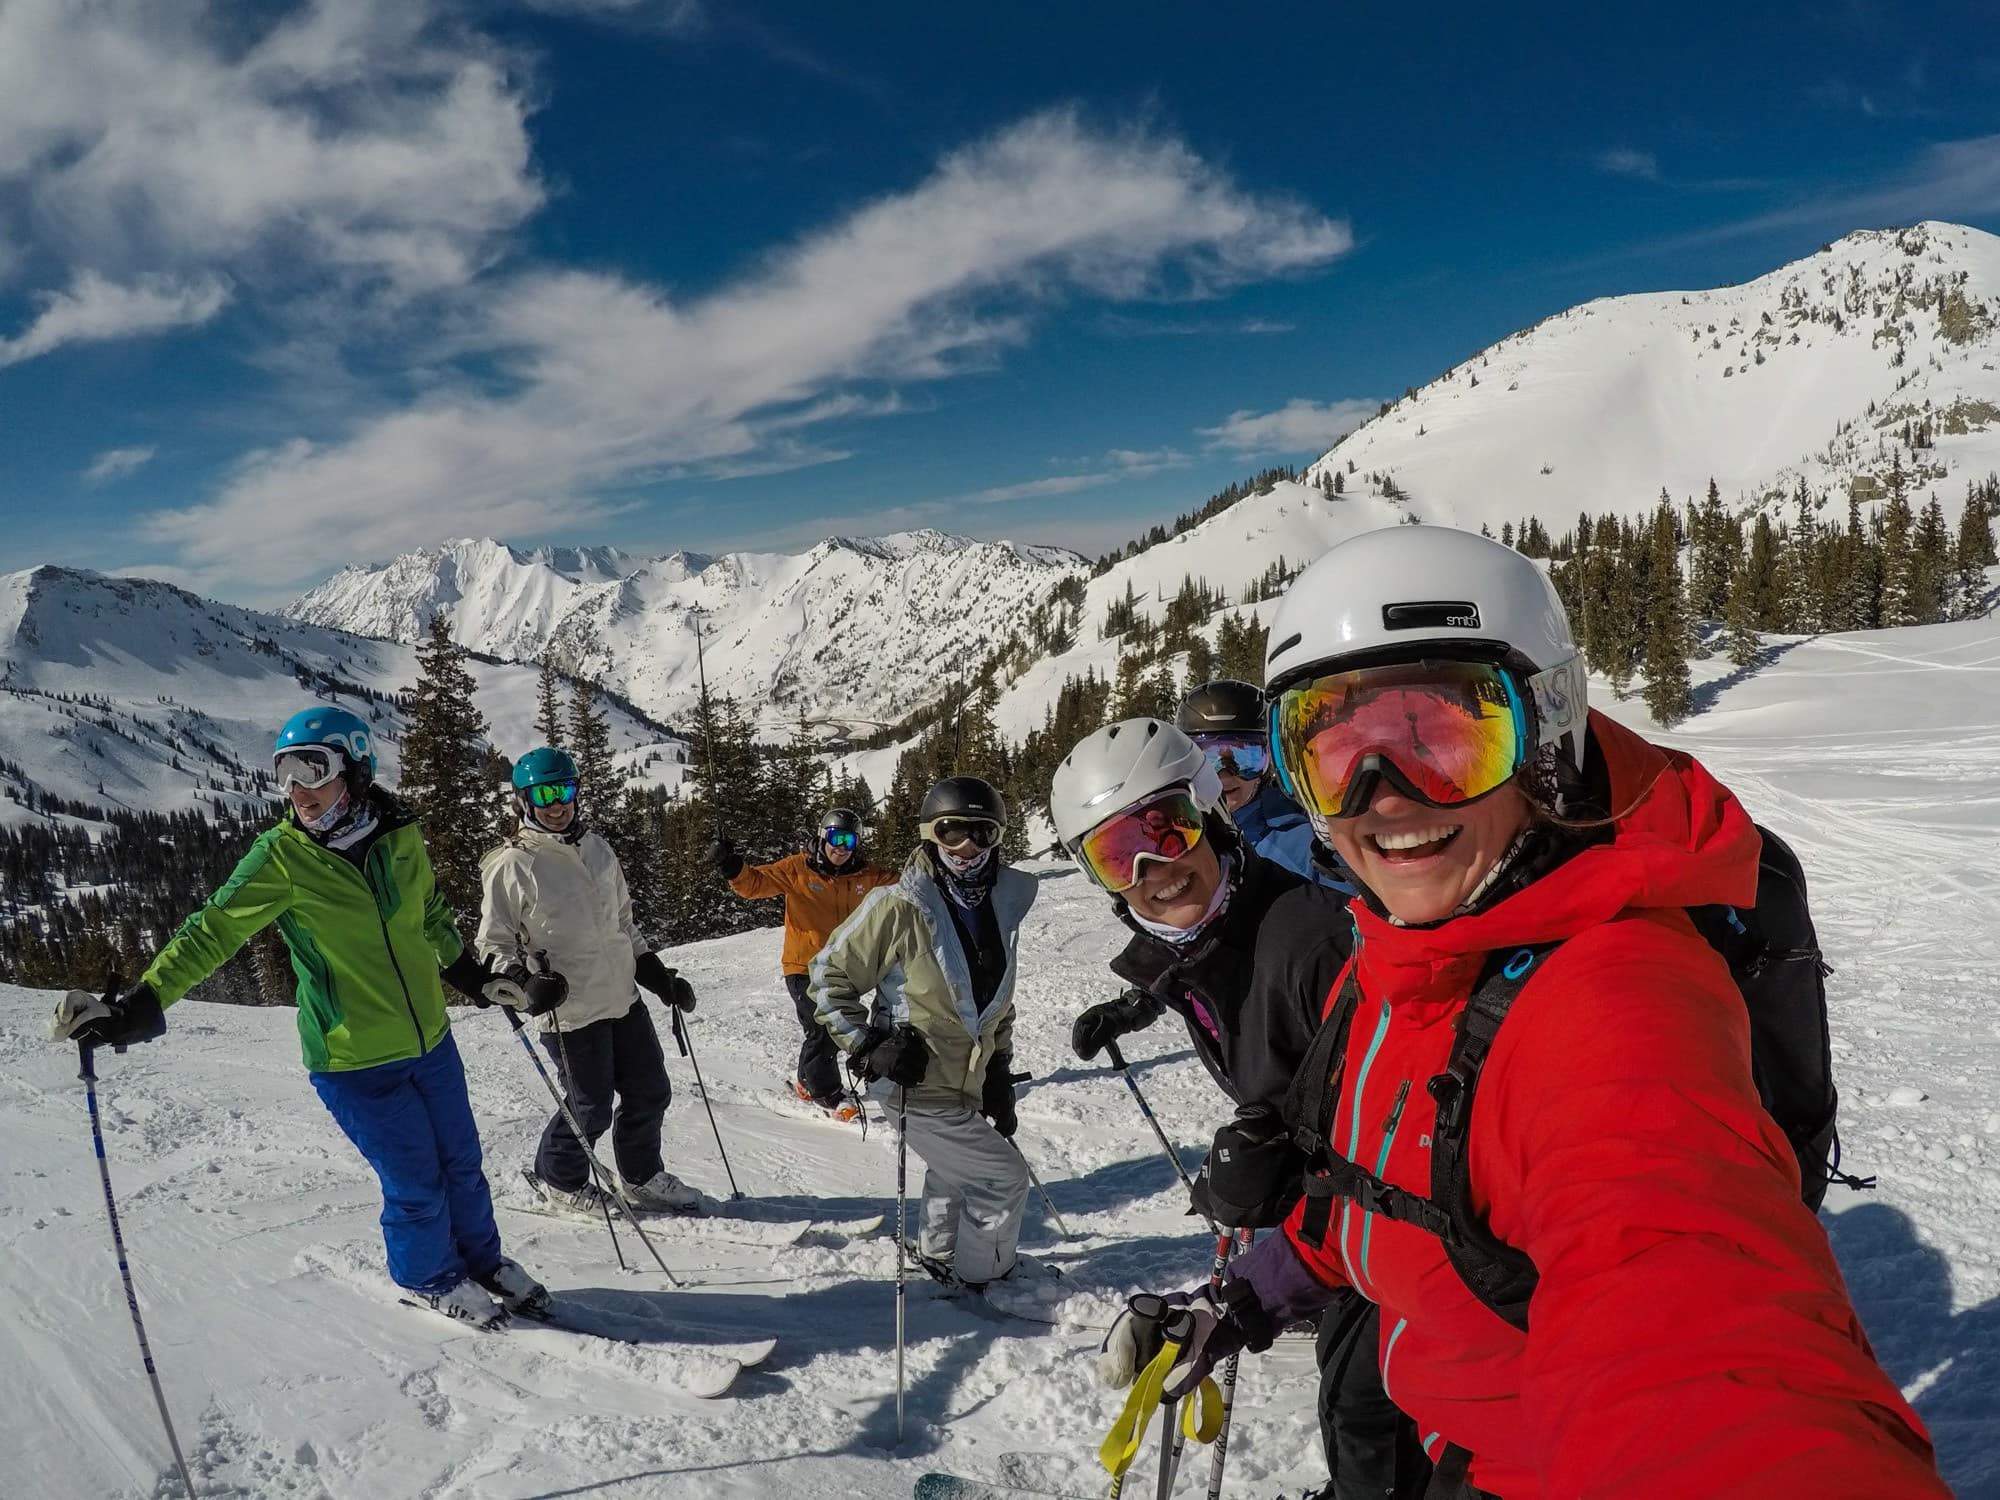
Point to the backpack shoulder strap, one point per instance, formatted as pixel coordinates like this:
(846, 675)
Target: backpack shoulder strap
(1498, 1275)
(1314, 1095)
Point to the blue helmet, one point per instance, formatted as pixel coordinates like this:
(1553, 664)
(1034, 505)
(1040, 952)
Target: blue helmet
(324, 724)
(543, 767)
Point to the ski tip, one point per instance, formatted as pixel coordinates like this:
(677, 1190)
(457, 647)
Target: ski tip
(752, 1355)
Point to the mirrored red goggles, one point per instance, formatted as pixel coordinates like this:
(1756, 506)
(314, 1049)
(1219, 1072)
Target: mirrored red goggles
(1244, 756)
(309, 766)
(1162, 828)
(841, 838)
(1444, 732)
(549, 793)
(952, 832)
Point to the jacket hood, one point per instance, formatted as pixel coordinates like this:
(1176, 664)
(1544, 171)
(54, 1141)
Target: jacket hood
(1679, 838)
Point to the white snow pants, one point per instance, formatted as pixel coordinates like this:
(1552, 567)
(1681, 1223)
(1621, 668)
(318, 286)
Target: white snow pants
(975, 1189)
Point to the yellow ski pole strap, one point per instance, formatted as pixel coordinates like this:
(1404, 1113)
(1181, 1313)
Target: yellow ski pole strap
(1121, 1444)
(1201, 1412)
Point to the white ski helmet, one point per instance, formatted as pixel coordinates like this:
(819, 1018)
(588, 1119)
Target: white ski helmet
(1113, 767)
(1390, 594)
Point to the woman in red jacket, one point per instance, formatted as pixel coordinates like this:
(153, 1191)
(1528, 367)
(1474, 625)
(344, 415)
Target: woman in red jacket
(1688, 1334)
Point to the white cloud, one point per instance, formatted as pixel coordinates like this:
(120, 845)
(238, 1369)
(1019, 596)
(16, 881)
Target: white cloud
(376, 140)
(608, 378)
(1624, 161)
(676, 17)
(117, 463)
(1299, 426)
(94, 310)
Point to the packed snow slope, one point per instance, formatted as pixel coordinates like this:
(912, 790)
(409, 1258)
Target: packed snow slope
(292, 1371)
(1811, 371)
(852, 630)
(129, 693)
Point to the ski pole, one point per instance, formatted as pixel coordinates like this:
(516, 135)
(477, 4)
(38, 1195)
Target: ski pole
(1125, 1072)
(902, 1190)
(686, 1044)
(1237, 1243)
(603, 1198)
(88, 1073)
(1047, 1202)
(597, 1167)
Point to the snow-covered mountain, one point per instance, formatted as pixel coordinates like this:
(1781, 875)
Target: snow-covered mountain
(1812, 371)
(127, 692)
(910, 610)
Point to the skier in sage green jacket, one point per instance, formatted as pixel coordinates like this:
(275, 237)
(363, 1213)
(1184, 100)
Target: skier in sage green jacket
(345, 877)
(940, 949)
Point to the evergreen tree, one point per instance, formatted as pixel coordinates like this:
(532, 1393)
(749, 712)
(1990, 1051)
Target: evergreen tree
(444, 758)
(1899, 604)
(1740, 614)
(1975, 546)
(548, 706)
(1668, 691)
(1930, 565)
(1861, 572)
(1761, 576)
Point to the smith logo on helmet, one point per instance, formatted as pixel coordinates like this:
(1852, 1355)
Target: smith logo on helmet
(1430, 615)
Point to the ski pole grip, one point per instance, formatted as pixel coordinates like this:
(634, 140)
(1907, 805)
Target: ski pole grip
(513, 1016)
(680, 1036)
(1117, 1058)
(86, 1068)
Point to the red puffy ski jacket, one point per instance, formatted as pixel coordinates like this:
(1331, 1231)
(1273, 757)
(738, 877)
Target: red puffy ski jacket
(1690, 1335)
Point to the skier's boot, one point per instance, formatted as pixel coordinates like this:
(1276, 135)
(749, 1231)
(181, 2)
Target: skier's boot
(662, 1193)
(517, 1290)
(467, 1304)
(585, 1202)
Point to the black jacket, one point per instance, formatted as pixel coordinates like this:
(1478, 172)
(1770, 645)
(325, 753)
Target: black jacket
(1262, 973)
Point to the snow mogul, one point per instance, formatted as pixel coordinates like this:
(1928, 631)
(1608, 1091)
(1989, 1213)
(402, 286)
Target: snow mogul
(1536, 1138)
(1243, 950)
(555, 895)
(821, 889)
(939, 948)
(345, 876)
(1227, 719)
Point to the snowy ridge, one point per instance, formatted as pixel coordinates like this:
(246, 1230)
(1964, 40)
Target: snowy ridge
(1867, 751)
(854, 631)
(1757, 386)
(131, 693)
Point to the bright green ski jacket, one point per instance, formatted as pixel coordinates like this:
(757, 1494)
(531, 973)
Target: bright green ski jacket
(366, 948)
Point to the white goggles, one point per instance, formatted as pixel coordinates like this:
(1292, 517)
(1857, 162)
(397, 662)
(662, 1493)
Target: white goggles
(309, 766)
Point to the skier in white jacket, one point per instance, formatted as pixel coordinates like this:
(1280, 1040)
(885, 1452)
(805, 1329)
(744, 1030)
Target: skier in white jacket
(555, 893)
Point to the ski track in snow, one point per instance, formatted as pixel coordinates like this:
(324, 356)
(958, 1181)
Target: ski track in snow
(292, 1371)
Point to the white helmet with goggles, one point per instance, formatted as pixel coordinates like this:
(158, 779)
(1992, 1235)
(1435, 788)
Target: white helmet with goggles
(1125, 768)
(1432, 658)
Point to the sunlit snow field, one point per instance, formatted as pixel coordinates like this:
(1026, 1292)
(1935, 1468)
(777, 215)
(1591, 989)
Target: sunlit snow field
(292, 1371)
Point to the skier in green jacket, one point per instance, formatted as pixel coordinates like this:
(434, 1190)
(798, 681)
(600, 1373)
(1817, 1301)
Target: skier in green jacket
(345, 876)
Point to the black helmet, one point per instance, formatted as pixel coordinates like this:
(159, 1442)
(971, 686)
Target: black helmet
(1224, 706)
(961, 799)
(845, 819)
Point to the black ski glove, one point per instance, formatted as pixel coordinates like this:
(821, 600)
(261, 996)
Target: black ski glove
(117, 1018)
(486, 982)
(722, 854)
(996, 1095)
(899, 1056)
(545, 992)
(664, 982)
(1107, 1021)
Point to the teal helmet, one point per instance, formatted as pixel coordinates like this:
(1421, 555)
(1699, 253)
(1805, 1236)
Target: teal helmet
(543, 767)
(325, 725)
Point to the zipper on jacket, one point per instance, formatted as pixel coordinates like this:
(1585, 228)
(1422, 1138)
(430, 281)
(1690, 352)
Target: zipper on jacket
(1354, 1131)
(1382, 1163)
(390, 948)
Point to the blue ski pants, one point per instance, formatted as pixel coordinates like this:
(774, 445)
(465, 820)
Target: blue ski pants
(413, 1122)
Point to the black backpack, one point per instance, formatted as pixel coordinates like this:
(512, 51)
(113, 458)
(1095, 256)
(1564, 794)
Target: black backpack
(1774, 956)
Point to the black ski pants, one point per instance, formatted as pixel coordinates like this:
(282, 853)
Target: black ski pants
(819, 1059)
(618, 1057)
(1372, 1449)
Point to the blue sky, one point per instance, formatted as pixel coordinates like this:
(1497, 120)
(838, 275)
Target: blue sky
(289, 286)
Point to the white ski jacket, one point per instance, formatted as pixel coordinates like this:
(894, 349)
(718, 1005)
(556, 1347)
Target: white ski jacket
(570, 901)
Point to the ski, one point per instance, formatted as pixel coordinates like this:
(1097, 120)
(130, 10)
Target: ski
(690, 1224)
(710, 1377)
